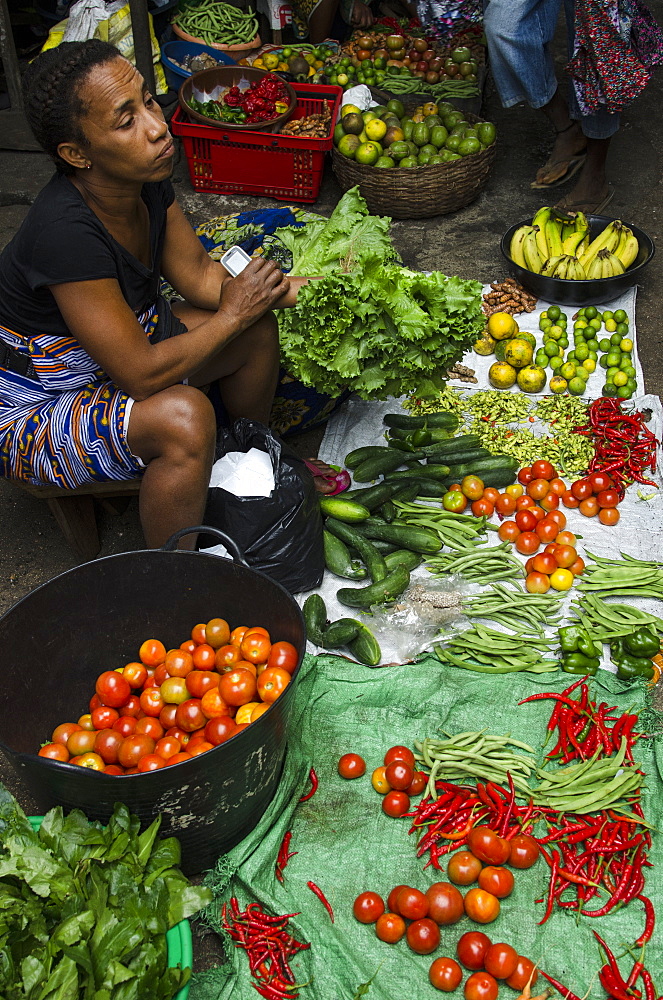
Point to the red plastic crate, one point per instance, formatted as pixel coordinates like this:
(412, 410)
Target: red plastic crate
(264, 163)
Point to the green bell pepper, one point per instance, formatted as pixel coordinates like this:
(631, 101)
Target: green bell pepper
(642, 642)
(587, 646)
(634, 666)
(578, 663)
(568, 638)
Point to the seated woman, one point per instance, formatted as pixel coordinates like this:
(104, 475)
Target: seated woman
(98, 373)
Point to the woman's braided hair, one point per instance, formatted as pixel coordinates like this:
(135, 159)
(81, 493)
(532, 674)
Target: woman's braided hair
(53, 89)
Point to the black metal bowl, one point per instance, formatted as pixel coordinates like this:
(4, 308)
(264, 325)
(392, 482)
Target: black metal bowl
(581, 293)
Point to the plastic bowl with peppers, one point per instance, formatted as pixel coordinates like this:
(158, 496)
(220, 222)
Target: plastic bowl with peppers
(262, 101)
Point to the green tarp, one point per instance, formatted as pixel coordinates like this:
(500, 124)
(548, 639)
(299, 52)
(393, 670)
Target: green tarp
(346, 844)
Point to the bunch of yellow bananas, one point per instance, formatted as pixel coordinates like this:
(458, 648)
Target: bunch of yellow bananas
(558, 246)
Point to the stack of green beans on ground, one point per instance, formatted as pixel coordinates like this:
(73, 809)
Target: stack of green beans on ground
(511, 608)
(468, 757)
(488, 651)
(217, 22)
(625, 577)
(590, 786)
(612, 621)
(484, 565)
(406, 84)
(457, 531)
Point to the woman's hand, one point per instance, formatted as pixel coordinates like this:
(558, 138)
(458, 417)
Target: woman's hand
(255, 290)
(361, 16)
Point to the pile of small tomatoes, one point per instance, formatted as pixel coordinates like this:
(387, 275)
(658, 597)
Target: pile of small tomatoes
(170, 705)
(396, 779)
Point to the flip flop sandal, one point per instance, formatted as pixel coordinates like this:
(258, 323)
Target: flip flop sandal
(595, 209)
(335, 482)
(573, 165)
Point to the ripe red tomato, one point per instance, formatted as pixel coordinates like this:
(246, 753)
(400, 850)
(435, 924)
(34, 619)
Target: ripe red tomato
(445, 974)
(482, 906)
(557, 486)
(445, 903)
(581, 489)
(418, 783)
(390, 927)
(255, 647)
(81, 741)
(550, 501)
(520, 977)
(200, 681)
(112, 688)
(505, 504)
(188, 646)
(217, 632)
(423, 936)
(491, 494)
(213, 704)
(150, 726)
(526, 520)
(396, 804)
(55, 751)
(412, 903)
(272, 683)
(600, 481)
(537, 489)
(131, 706)
(226, 658)
(204, 657)
(178, 663)
(559, 517)
(177, 758)
(114, 769)
(487, 846)
(480, 986)
(463, 868)
(399, 753)
(125, 725)
(190, 715)
(199, 634)
(524, 501)
(569, 500)
(608, 498)
(219, 729)
(483, 508)
(537, 583)
(472, 487)
(589, 507)
(150, 762)
(471, 949)
(133, 748)
(152, 653)
(508, 531)
(159, 676)
(565, 555)
(135, 673)
(351, 765)
(547, 530)
(201, 746)
(399, 775)
(542, 469)
(284, 655)
(151, 700)
(238, 687)
(168, 716)
(392, 905)
(525, 475)
(497, 880)
(544, 562)
(180, 735)
(367, 907)
(167, 746)
(104, 717)
(578, 567)
(527, 542)
(523, 851)
(501, 960)
(62, 732)
(609, 516)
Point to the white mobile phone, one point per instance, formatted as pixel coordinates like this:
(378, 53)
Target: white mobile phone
(235, 260)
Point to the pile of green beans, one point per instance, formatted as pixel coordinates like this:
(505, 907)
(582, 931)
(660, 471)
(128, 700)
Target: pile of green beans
(625, 577)
(217, 22)
(483, 565)
(491, 652)
(456, 531)
(402, 84)
(469, 757)
(510, 608)
(612, 621)
(590, 786)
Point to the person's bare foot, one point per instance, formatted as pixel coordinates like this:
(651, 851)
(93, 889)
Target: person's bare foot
(565, 158)
(325, 478)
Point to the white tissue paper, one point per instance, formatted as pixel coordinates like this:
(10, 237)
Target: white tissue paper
(244, 473)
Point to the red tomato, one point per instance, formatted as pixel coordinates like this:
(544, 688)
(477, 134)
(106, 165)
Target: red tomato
(538, 488)
(399, 775)
(608, 498)
(55, 751)
(529, 565)
(537, 583)
(167, 746)
(220, 729)
(351, 765)
(217, 632)
(412, 903)
(482, 906)
(213, 704)
(390, 927)
(487, 846)
(508, 531)
(581, 489)
(226, 658)
(104, 717)
(505, 504)
(131, 706)
(538, 513)
(578, 567)
(566, 538)
(559, 517)
(95, 702)
(501, 960)
(150, 762)
(523, 851)
(491, 494)
(152, 653)
(200, 681)
(133, 748)
(526, 520)
(609, 516)
(188, 646)
(471, 949)
(150, 726)
(497, 880)
(542, 469)
(178, 663)
(113, 769)
(202, 746)
(524, 501)
(418, 783)
(151, 700)
(557, 486)
(399, 753)
(547, 530)
(125, 725)
(238, 687)
(168, 716)
(199, 634)
(600, 481)
(255, 647)
(525, 475)
(423, 936)
(284, 655)
(527, 542)
(480, 986)
(160, 675)
(204, 657)
(177, 758)
(550, 501)
(91, 760)
(483, 508)
(190, 715)
(135, 674)
(395, 804)
(81, 741)
(112, 688)
(589, 507)
(565, 555)
(544, 562)
(180, 735)
(445, 974)
(445, 903)
(569, 500)
(525, 972)
(367, 907)
(472, 487)
(393, 896)
(463, 868)
(272, 683)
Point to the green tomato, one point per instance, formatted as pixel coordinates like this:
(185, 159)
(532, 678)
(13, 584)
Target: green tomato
(454, 501)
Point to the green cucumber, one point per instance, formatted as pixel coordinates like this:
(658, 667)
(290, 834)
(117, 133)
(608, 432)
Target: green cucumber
(492, 472)
(374, 496)
(378, 465)
(368, 553)
(343, 510)
(338, 559)
(447, 421)
(465, 457)
(460, 443)
(386, 590)
(407, 491)
(314, 612)
(384, 547)
(406, 536)
(403, 557)
(340, 633)
(365, 647)
(356, 457)
(437, 434)
(421, 472)
(388, 511)
(419, 486)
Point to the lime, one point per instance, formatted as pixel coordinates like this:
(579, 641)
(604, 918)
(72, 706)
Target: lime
(608, 314)
(614, 359)
(595, 323)
(591, 312)
(610, 374)
(624, 392)
(571, 356)
(589, 364)
(609, 389)
(551, 349)
(556, 363)
(622, 329)
(576, 386)
(630, 371)
(555, 332)
(582, 352)
(604, 344)
(632, 384)
(603, 361)
(545, 324)
(626, 344)
(580, 324)
(593, 355)
(582, 373)
(610, 325)
(626, 361)
(620, 316)
(541, 358)
(554, 312)
(616, 339)
(563, 342)
(349, 145)
(593, 344)
(558, 384)
(567, 371)
(368, 153)
(384, 162)
(621, 378)
(376, 129)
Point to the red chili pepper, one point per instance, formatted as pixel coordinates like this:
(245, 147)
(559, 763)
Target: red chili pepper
(566, 993)
(650, 920)
(314, 786)
(551, 887)
(317, 891)
(650, 992)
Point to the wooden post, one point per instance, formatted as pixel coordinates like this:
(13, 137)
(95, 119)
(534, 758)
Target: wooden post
(140, 27)
(10, 59)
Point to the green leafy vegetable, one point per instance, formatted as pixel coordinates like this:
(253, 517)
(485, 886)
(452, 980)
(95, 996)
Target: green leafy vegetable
(369, 324)
(84, 909)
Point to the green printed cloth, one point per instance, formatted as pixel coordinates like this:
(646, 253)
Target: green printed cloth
(347, 845)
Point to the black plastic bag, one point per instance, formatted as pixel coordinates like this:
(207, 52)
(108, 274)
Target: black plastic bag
(281, 534)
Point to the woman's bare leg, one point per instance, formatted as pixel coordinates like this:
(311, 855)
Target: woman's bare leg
(321, 20)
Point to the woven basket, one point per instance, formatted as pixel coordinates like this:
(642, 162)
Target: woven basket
(418, 192)
(236, 52)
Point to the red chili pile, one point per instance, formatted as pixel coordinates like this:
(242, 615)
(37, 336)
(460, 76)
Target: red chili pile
(624, 445)
(260, 101)
(269, 946)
